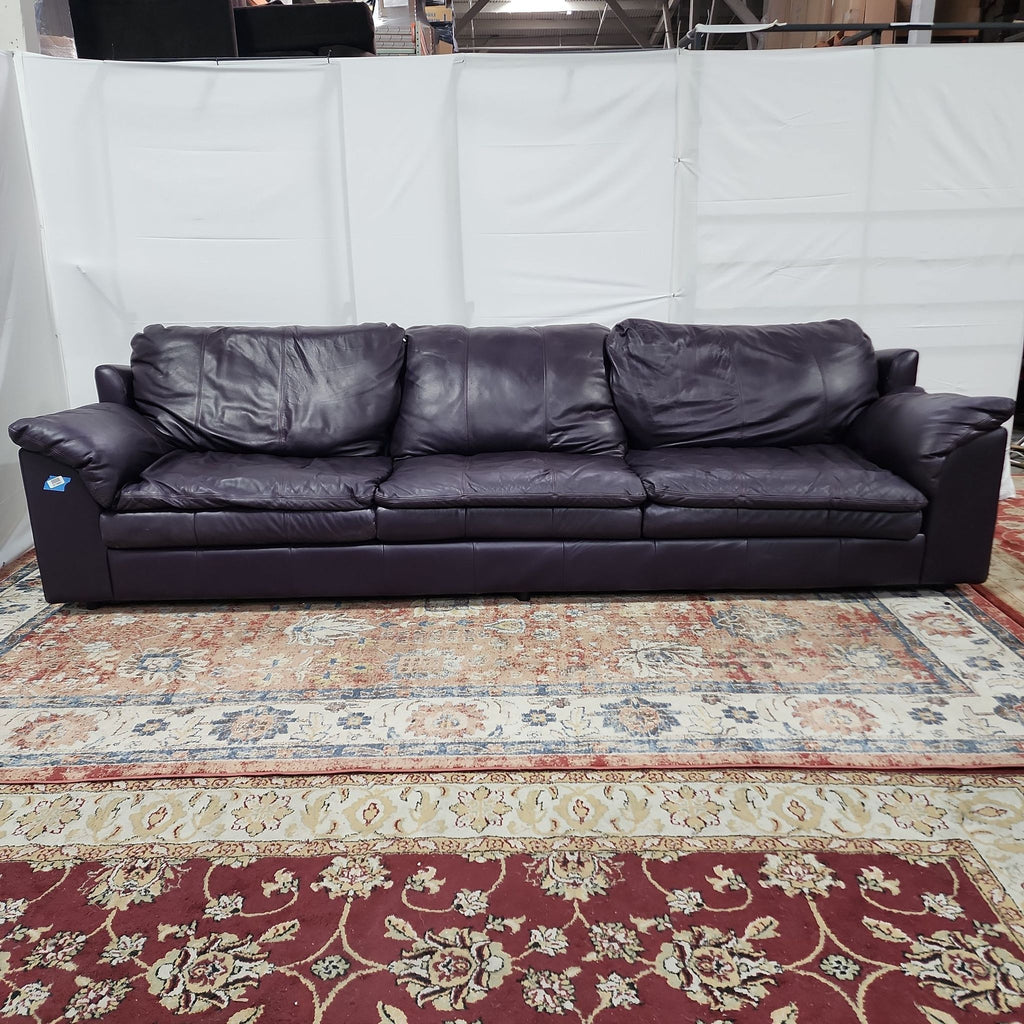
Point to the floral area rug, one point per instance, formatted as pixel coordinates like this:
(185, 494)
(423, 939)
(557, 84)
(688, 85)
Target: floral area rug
(888, 679)
(759, 897)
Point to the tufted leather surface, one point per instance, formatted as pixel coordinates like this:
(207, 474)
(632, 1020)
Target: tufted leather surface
(309, 391)
(221, 480)
(810, 476)
(490, 389)
(511, 479)
(680, 384)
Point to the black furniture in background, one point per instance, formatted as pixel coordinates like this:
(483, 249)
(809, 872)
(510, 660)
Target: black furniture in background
(308, 30)
(153, 29)
(213, 29)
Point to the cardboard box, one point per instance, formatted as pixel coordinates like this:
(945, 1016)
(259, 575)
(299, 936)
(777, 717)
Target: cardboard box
(796, 12)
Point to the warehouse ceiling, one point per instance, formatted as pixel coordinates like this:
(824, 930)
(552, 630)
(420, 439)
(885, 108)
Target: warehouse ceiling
(482, 25)
(539, 25)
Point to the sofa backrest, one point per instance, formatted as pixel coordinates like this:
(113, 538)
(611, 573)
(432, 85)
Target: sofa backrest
(492, 389)
(686, 385)
(312, 391)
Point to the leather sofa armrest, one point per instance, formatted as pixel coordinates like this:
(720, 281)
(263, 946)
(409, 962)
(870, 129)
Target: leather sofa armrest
(108, 444)
(912, 432)
(897, 368)
(114, 384)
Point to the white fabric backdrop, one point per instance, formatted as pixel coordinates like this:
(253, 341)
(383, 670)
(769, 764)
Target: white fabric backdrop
(882, 184)
(31, 376)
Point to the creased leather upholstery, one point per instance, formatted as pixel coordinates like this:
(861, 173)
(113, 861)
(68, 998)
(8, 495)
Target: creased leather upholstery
(678, 522)
(681, 384)
(913, 432)
(222, 480)
(488, 567)
(810, 476)
(114, 384)
(426, 524)
(311, 391)
(897, 368)
(511, 479)
(491, 389)
(230, 528)
(107, 444)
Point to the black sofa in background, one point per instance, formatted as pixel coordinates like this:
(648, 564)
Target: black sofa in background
(342, 29)
(153, 29)
(215, 29)
(370, 460)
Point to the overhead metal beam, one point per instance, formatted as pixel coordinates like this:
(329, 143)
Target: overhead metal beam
(584, 29)
(627, 22)
(747, 16)
(471, 13)
(743, 12)
(664, 29)
(600, 25)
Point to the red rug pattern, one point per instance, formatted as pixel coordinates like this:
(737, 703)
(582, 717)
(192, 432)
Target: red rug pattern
(719, 930)
(1010, 525)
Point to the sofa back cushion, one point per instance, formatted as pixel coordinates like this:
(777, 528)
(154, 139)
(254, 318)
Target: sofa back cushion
(313, 391)
(680, 384)
(494, 389)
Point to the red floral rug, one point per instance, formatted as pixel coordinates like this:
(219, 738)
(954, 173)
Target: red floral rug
(1005, 584)
(699, 898)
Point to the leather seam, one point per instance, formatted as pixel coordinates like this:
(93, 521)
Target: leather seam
(465, 385)
(548, 439)
(825, 417)
(197, 420)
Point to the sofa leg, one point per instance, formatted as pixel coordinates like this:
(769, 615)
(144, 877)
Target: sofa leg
(523, 597)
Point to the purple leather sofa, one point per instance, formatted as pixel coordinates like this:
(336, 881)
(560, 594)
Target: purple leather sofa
(372, 460)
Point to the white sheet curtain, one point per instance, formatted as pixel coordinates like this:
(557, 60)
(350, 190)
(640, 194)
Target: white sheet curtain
(31, 375)
(883, 184)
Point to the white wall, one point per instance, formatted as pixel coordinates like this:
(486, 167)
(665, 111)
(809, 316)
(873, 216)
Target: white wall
(882, 184)
(31, 375)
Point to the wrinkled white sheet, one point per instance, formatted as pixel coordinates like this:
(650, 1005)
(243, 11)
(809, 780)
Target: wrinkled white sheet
(882, 184)
(31, 376)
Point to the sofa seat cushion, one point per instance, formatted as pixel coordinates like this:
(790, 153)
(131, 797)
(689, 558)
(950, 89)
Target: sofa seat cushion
(235, 528)
(511, 479)
(190, 481)
(812, 490)
(809, 476)
(426, 524)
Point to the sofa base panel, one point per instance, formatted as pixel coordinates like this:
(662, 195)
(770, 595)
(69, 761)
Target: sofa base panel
(379, 570)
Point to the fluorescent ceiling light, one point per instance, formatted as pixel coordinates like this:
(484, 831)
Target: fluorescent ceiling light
(537, 6)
